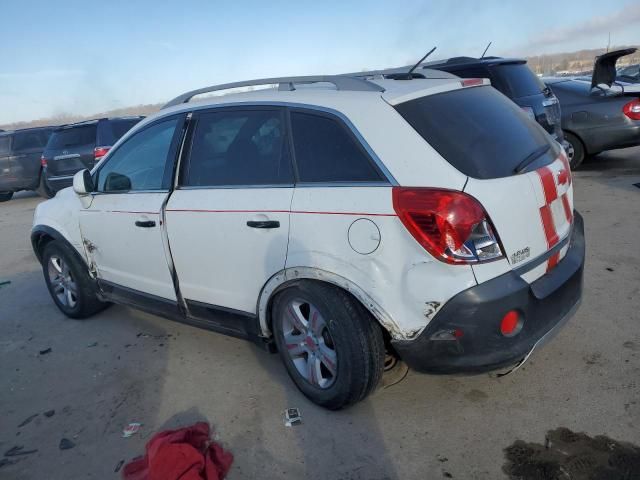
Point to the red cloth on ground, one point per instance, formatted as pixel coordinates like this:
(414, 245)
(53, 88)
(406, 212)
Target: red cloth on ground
(183, 454)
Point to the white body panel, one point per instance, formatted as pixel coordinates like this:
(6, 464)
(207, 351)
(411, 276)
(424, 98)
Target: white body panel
(219, 259)
(125, 254)
(400, 276)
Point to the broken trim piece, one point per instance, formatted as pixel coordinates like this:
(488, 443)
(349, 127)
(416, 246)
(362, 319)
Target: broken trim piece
(280, 280)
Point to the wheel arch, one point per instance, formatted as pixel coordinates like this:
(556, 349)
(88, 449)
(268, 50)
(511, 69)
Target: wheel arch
(580, 139)
(290, 276)
(41, 235)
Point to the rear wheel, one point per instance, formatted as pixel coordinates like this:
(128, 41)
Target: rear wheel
(330, 345)
(68, 281)
(43, 189)
(5, 196)
(576, 151)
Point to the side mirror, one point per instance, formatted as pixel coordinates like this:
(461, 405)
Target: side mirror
(82, 182)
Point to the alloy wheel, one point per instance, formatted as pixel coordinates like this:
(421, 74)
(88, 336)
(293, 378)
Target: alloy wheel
(62, 283)
(309, 343)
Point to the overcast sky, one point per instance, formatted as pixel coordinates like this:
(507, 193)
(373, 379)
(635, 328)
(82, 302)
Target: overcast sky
(88, 56)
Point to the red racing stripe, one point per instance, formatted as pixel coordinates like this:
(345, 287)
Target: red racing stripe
(549, 227)
(567, 208)
(548, 184)
(553, 261)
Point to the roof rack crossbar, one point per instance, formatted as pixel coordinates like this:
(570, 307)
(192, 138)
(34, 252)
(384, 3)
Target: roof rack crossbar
(341, 82)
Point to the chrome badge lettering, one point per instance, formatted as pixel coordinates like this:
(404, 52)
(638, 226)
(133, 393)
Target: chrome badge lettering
(520, 255)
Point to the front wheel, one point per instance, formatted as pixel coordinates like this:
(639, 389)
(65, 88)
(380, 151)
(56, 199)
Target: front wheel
(330, 345)
(575, 152)
(68, 281)
(5, 196)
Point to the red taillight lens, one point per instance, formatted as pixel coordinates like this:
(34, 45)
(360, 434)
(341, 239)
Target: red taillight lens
(452, 226)
(43, 161)
(100, 152)
(472, 82)
(632, 109)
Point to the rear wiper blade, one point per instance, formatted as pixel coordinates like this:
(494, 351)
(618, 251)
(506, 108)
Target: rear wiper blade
(532, 157)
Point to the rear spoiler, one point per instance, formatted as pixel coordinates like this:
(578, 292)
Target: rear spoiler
(604, 68)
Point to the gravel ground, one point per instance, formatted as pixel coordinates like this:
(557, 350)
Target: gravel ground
(124, 366)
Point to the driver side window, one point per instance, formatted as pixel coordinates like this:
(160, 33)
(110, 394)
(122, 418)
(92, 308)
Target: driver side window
(139, 163)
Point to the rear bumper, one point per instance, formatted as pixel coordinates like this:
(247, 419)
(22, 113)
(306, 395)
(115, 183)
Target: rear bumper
(598, 140)
(58, 183)
(545, 305)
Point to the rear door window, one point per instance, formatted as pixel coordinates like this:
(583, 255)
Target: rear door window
(238, 147)
(36, 139)
(326, 151)
(479, 131)
(73, 137)
(5, 145)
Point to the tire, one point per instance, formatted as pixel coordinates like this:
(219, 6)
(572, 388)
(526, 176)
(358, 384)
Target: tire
(43, 189)
(5, 196)
(577, 157)
(68, 281)
(322, 324)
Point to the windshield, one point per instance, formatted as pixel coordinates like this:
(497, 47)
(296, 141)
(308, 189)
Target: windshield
(479, 131)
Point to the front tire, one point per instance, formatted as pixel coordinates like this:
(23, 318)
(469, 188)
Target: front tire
(5, 196)
(72, 289)
(330, 345)
(43, 189)
(576, 152)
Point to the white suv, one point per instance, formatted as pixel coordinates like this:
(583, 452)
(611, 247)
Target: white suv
(332, 219)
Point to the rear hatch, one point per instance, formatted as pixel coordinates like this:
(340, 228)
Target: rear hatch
(26, 149)
(70, 149)
(516, 171)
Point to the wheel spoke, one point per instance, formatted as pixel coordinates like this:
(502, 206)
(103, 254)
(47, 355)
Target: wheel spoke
(328, 358)
(316, 321)
(313, 370)
(297, 319)
(295, 344)
(55, 262)
(70, 297)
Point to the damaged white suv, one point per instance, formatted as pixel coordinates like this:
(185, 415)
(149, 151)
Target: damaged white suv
(332, 219)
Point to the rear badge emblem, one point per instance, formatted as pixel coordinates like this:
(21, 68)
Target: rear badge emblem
(520, 255)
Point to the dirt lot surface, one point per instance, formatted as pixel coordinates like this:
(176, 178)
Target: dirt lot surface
(124, 366)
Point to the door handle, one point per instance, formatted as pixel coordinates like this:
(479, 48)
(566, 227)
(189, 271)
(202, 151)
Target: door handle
(263, 224)
(145, 223)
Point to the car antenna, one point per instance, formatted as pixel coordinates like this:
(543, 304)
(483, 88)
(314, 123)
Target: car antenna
(407, 76)
(485, 50)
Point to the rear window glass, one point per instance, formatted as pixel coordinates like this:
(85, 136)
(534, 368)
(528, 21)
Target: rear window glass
(71, 137)
(30, 140)
(478, 130)
(518, 79)
(326, 152)
(112, 130)
(5, 144)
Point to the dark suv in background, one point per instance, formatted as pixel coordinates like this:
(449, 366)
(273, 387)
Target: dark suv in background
(81, 145)
(20, 152)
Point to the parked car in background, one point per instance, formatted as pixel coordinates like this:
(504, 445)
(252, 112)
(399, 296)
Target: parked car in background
(629, 74)
(80, 145)
(600, 113)
(430, 219)
(20, 152)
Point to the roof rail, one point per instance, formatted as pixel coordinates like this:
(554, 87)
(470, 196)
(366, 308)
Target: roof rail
(285, 83)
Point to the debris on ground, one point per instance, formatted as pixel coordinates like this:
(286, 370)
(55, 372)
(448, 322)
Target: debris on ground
(45, 351)
(292, 417)
(442, 458)
(131, 429)
(18, 450)
(66, 444)
(4, 283)
(49, 413)
(94, 344)
(118, 466)
(28, 420)
(636, 185)
(183, 453)
(610, 269)
(5, 461)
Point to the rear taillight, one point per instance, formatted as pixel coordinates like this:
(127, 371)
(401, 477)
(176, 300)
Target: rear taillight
(100, 152)
(452, 226)
(43, 161)
(632, 109)
(472, 82)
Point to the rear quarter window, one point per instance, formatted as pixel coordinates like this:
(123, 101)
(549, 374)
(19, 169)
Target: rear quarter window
(73, 137)
(478, 130)
(517, 79)
(30, 140)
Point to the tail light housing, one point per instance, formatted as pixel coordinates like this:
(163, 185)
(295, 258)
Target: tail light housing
(632, 109)
(100, 152)
(452, 226)
(43, 161)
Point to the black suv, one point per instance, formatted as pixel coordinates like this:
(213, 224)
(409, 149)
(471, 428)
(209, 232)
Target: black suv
(20, 152)
(513, 78)
(77, 146)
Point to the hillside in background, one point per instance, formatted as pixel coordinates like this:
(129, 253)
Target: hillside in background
(576, 62)
(579, 62)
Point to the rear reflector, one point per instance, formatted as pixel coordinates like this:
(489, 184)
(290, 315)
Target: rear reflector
(632, 109)
(511, 324)
(452, 226)
(472, 82)
(43, 161)
(100, 152)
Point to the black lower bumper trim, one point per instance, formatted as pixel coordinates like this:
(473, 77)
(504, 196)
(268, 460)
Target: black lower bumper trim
(545, 305)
